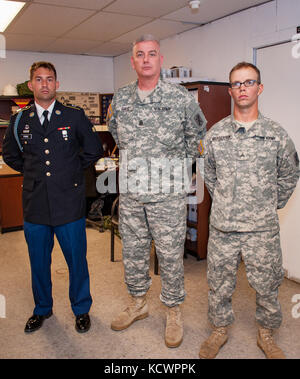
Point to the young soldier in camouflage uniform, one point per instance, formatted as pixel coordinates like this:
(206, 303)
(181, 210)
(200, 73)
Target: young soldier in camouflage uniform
(251, 170)
(153, 122)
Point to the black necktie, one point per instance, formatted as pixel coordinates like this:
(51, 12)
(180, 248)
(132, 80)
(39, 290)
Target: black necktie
(46, 121)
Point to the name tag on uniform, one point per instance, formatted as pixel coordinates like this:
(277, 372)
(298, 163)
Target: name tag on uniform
(26, 136)
(162, 108)
(127, 109)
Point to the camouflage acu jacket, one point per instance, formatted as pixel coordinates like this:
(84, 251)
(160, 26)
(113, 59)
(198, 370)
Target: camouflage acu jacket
(249, 174)
(154, 137)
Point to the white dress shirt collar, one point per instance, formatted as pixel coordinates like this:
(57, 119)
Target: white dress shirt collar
(40, 111)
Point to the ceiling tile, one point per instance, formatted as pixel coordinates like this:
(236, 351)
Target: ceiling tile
(153, 8)
(85, 27)
(27, 42)
(48, 20)
(111, 49)
(86, 4)
(105, 26)
(211, 10)
(159, 28)
(68, 46)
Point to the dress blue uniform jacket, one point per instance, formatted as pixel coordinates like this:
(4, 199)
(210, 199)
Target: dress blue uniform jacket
(52, 162)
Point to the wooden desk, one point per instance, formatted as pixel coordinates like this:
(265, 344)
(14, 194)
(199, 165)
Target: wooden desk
(11, 209)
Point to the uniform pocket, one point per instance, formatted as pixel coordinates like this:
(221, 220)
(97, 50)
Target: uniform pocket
(214, 277)
(278, 274)
(267, 159)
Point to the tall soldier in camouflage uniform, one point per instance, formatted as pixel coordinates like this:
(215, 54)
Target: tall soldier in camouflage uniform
(251, 170)
(154, 123)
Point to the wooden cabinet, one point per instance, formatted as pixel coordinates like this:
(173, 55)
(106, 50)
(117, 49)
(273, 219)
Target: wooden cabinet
(215, 103)
(11, 210)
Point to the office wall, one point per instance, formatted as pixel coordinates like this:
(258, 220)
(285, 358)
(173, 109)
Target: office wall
(280, 70)
(75, 72)
(212, 50)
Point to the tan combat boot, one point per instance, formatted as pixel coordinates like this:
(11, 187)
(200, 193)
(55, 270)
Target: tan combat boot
(266, 342)
(174, 327)
(137, 310)
(210, 347)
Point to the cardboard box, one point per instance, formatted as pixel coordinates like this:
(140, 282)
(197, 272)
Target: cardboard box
(180, 72)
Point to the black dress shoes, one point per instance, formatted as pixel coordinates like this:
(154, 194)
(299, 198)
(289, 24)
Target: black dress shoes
(83, 323)
(35, 322)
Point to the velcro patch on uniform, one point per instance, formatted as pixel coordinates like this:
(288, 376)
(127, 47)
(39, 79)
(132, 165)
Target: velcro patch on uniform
(198, 119)
(296, 158)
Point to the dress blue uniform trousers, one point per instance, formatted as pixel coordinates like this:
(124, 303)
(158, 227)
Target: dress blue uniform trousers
(72, 240)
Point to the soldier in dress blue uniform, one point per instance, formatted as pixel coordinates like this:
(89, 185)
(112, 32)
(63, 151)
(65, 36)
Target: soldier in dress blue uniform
(51, 144)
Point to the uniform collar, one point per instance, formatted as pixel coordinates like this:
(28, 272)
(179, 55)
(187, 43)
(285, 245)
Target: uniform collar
(154, 97)
(255, 127)
(40, 109)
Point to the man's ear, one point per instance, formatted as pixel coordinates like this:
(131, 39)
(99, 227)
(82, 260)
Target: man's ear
(132, 63)
(260, 89)
(29, 85)
(161, 60)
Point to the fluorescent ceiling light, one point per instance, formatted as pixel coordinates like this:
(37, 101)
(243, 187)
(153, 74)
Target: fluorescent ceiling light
(8, 11)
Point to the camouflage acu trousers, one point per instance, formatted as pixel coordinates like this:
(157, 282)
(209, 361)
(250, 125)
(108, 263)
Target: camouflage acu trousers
(165, 223)
(262, 257)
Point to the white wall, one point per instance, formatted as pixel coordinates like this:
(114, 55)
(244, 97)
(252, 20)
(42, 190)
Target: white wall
(212, 50)
(281, 77)
(75, 72)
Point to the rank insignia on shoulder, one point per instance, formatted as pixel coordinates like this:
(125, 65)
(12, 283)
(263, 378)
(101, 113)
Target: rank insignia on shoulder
(72, 106)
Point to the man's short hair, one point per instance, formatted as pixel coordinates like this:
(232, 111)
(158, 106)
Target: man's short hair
(245, 65)
(145, 37)
(36, 65)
